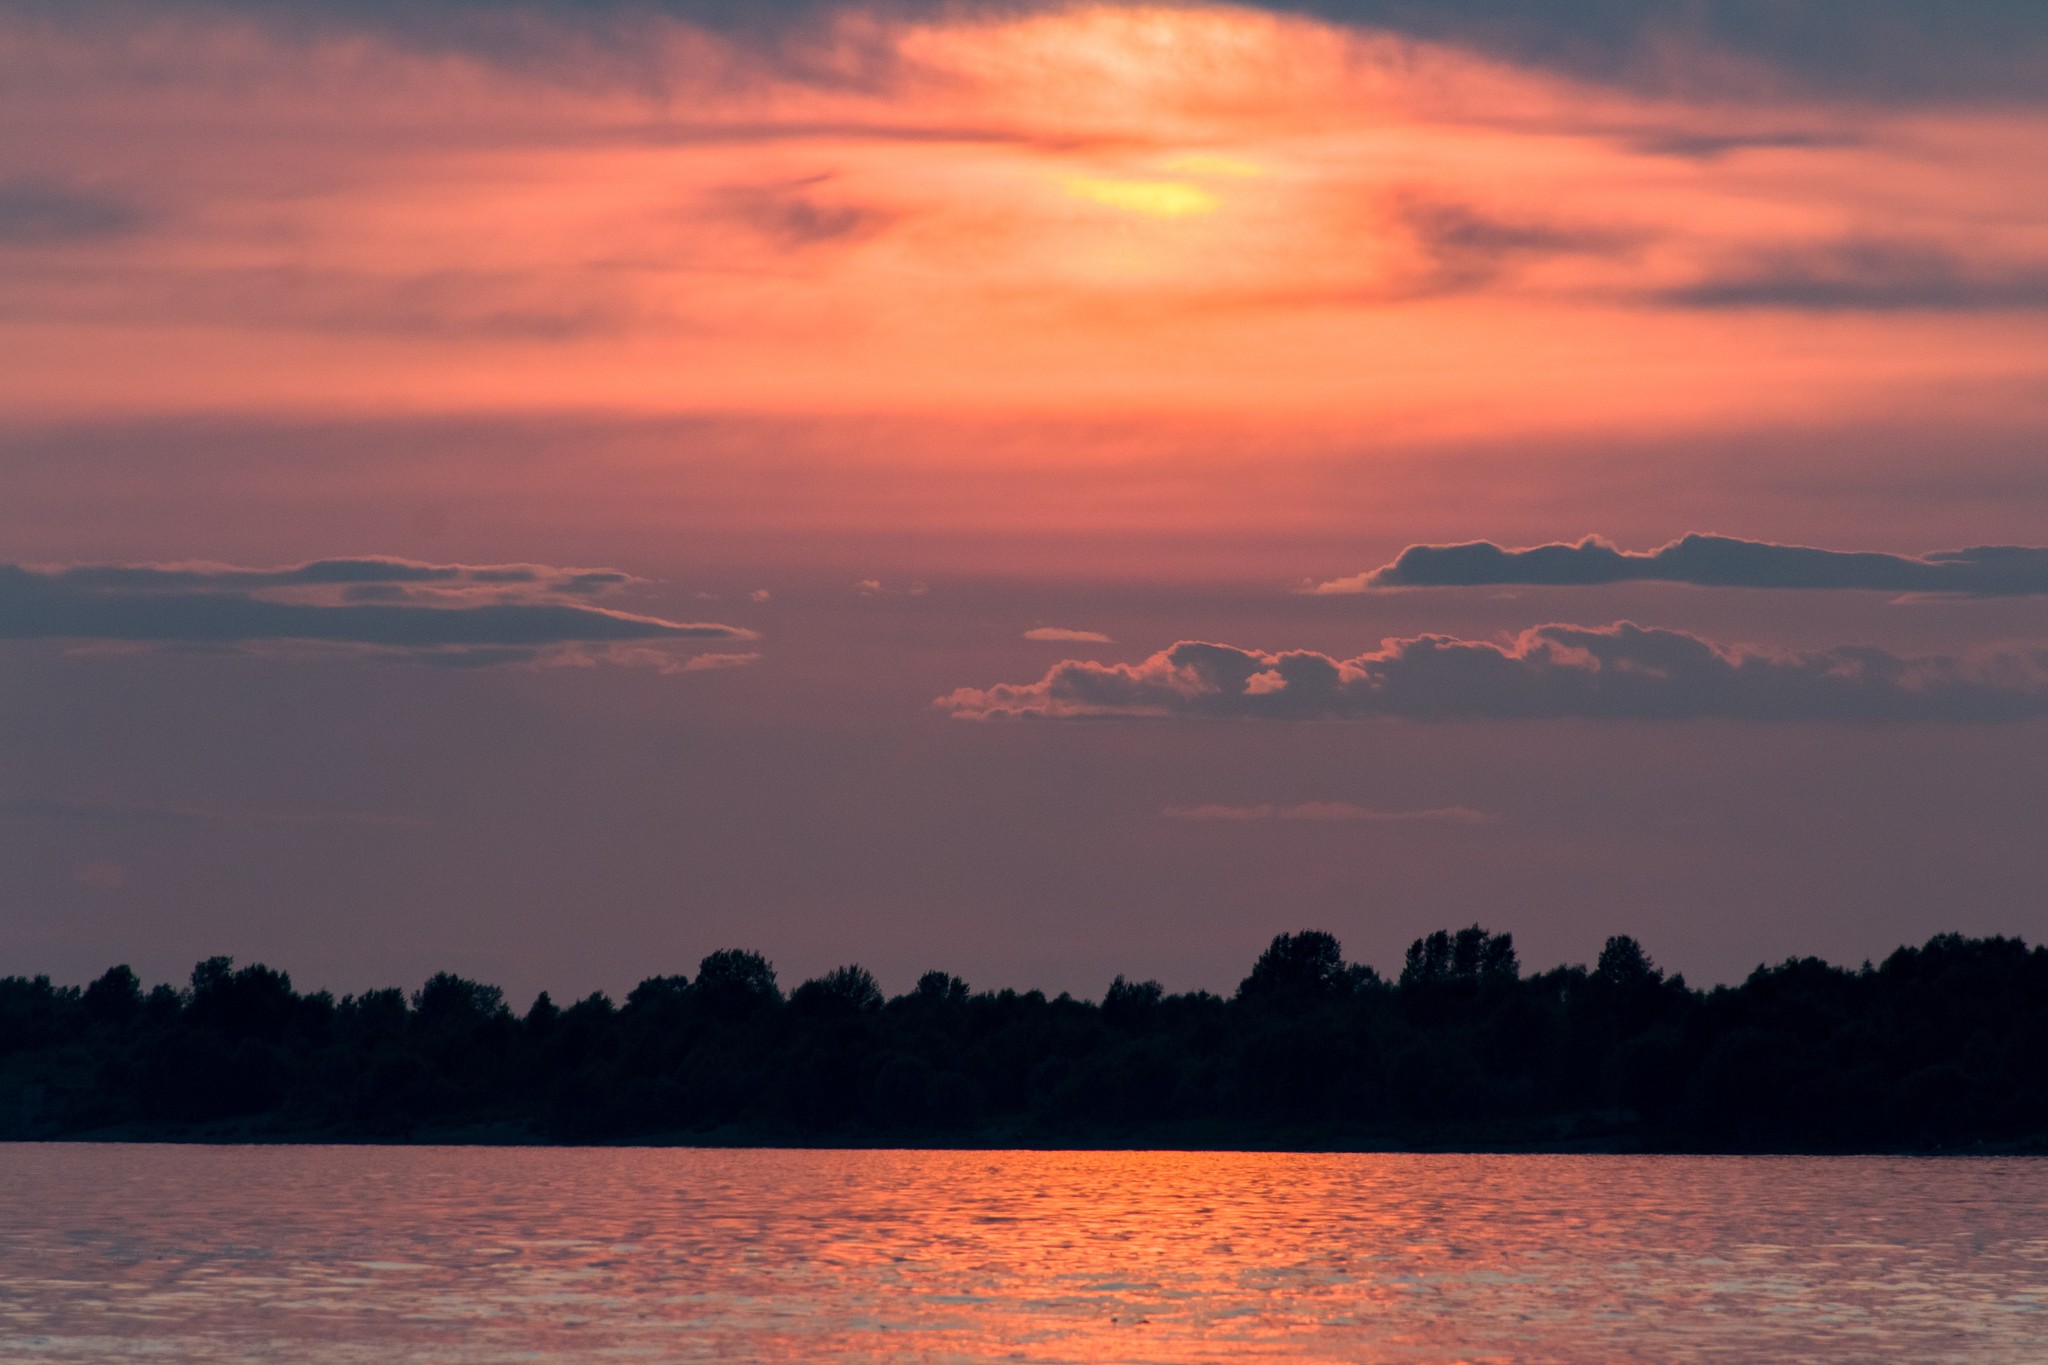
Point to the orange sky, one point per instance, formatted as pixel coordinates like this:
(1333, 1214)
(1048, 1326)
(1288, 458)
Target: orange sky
(1091, 212)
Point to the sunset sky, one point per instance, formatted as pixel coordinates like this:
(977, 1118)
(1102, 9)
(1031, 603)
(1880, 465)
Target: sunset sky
(548, 490)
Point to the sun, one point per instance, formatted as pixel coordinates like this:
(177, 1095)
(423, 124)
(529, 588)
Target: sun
(1153, 198)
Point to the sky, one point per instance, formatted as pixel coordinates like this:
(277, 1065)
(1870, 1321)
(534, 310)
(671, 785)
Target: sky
(548, 490)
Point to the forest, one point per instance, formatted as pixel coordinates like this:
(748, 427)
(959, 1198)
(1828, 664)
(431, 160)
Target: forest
(1942, 1047)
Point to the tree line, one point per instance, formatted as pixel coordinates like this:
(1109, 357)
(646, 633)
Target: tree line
(1938, 1047)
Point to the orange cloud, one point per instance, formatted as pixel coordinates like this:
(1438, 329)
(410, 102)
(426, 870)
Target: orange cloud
(1094, 211)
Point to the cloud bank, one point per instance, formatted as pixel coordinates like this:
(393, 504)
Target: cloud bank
(1710, 562)
(1868, 276)
(1895, 50)
(1618, 672)
(447, 613)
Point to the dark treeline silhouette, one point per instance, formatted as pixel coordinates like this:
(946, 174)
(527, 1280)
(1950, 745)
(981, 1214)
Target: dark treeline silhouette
(1938, 1047)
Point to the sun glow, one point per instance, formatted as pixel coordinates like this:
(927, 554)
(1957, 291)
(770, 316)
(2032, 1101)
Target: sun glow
(1082, 212)
(1153, 198)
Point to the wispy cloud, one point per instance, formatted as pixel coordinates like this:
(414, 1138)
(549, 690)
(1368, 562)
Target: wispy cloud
(41, 212)
(1618, 672)
(1463, 248)
(1086, 637)
(1712, 562)
(1867, 275)
(698, 663)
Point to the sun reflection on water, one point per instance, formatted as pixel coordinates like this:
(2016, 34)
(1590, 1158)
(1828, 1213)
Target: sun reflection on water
(344, 1254)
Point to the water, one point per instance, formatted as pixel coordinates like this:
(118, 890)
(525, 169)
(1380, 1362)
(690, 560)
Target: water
(331, 1254)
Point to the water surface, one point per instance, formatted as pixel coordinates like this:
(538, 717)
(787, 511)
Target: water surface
(332, 1254)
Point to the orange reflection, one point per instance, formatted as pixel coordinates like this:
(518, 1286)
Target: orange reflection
(344, 1253)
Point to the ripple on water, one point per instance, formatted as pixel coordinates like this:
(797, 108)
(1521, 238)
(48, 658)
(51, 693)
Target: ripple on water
(340, 1254)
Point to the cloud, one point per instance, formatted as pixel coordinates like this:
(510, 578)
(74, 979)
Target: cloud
(631, 656)
(465, 615)
(1085, 637)
(1892, 50)
(1867, 276)
(349, 574)
(1704, 144)
(1326, 812)
(1466, 248)
(1709, 562)
(1618, 672)
(789, 216)
(1889, 49)
(698, 663)
(36, 212)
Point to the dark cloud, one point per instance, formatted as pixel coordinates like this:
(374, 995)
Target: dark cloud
(1892, 50)
(792, 215)
(1618, 672)
(1711, 145)
(448, 613)
(332, 573)
(1711, 562)
(1469, 249)
(1889, 50)
(1868, 276)
(34, 212)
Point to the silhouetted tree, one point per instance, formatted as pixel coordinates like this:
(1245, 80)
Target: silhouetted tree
(939, 988)
(732, 982)
(116, 998)
(255, 1002)
(449, 1001)
(162, 1005)
(842, 991)
(1297, 969)
(592, 1010)
(1623, 965)
(33, 1013)
(656, 991)
(1128, 1002)
(1943, 1044)
(1470, 956)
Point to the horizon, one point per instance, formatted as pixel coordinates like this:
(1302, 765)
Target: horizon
(787, 987)
(1055, 490)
